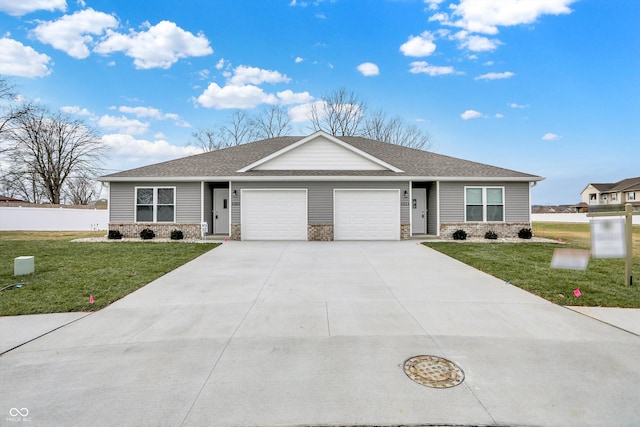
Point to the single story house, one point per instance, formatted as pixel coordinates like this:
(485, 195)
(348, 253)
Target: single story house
(319, 187)
(615, 193)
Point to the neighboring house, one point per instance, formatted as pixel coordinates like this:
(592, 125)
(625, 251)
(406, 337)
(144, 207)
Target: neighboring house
(621, 192)
(320, 187)
(6, 199)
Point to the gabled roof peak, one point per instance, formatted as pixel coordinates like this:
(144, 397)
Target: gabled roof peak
(320, 151)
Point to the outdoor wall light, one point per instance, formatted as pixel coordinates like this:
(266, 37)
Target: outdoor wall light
(234, 193)
(406, 194)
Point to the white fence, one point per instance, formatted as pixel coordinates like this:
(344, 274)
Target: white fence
(52, 219)
(569, 217)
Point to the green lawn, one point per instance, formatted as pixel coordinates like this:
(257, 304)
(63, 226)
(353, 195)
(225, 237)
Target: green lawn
(67, 273)
(527, 265)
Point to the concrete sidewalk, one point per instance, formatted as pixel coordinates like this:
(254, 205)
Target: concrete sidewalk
(316, 333)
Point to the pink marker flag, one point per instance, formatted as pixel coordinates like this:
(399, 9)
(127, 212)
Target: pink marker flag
(91, 300)
(577, 292)
(225, 239)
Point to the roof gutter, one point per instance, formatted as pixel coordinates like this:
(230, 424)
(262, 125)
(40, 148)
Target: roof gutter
(279, 178)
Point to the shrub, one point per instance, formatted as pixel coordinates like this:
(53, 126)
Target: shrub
(525, 233)
(176, 235)
(459, 235)
(147, 234)
(114, 235)
(491, 235)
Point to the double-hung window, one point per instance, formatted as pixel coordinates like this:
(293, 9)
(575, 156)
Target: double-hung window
(484, 204)
(155, 204)
(631, 195)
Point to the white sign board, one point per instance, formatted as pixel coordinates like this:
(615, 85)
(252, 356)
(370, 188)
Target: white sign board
(607, 238)
(571, 259)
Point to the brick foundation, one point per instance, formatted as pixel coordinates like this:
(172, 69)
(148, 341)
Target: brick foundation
(405, 231)
(162, 230)
(320, 232)
(478, 229)
(235, 232)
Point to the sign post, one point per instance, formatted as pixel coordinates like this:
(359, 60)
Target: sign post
(616, 244)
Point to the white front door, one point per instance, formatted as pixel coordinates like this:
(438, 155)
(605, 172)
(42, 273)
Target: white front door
(220, 211)
(419, 211)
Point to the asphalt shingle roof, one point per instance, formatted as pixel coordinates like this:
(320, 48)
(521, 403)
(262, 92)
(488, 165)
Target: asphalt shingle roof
(227, 162)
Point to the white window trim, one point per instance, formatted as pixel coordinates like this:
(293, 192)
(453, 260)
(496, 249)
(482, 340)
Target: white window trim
(629, 198)
(155, 203)
(484, 203)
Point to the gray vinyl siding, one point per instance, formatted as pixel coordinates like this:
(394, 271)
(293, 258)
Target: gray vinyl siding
(320, 197)
(517, 204)
(432, 208)
(208, 206)
(122, 200)
(516, 199)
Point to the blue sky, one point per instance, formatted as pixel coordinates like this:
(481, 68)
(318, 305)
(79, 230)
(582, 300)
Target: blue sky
(549, 87)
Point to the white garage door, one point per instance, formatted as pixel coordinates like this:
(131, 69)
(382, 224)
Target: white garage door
(273, 214)
(366, 214)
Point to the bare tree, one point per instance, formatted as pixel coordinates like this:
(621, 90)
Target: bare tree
(340, 113)
(81, 190)
(209, 140)
(49, 148)
(395, 130)
(272, 122)
(9, 111)
(239, 130)
(15, 183)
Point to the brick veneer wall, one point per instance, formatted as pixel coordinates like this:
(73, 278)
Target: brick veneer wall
(162, 230)
(479, 229)
(320, 232)
(405, 231)
(235, 232)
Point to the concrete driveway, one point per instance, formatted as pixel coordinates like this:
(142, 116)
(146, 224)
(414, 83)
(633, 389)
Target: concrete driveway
(316, 333)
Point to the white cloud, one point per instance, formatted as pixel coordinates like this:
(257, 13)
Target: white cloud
(22, 7)
(130, 149)
(123, 124)
(232, 96)
(220, 64)
(495, 76)
(419, 46)
(471, 114)
(368, 69)
(485, 16)
(290, 97)
(514, 105)
(72, 33)
(160, 46)
(499, 116)
(299, 59)
(433, 4)
(422, 67)
(74, 109)
(153, 113)
(255, 76)
(480, 44)
(550, 137)
(19, 60)
(301, 113)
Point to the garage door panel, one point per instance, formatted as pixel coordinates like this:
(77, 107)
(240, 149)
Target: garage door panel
(367, 215)
(273, 214)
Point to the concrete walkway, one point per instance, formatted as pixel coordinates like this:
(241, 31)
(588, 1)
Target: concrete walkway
(315, 333)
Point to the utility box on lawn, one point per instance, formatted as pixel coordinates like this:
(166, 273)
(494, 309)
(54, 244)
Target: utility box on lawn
(23, 265)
